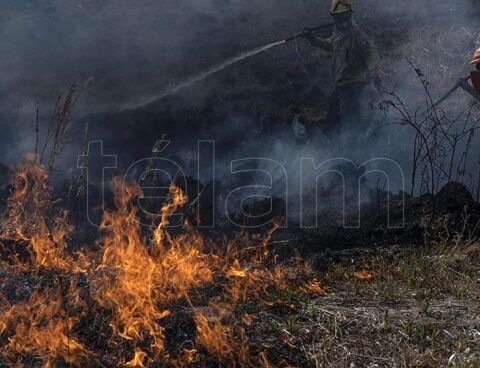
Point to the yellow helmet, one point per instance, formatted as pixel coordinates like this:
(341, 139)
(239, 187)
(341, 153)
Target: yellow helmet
(476, 57)
(341, 6)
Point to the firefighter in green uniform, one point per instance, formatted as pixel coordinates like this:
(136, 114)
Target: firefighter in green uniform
(354, 64)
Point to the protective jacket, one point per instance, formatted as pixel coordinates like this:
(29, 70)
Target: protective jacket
(354, 56)
(476, 82)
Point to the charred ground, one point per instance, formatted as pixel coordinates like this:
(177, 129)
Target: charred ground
(73, 295)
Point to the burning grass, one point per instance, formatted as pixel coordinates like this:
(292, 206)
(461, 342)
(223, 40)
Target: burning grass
(112, 305)
(143, 297)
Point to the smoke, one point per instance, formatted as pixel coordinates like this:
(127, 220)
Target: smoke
(139, 49)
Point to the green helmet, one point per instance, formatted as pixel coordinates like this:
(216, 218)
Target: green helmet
(341, 6)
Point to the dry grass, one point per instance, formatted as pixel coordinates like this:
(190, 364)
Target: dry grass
(182, 300)
(397, 307)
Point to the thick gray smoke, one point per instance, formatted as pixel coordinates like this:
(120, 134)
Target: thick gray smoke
(138, 49)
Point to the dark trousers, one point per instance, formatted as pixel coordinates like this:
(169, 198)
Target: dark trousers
(346, 107)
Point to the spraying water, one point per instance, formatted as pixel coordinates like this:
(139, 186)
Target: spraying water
(207, 73)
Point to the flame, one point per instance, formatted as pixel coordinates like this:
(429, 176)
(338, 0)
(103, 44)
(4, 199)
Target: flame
(41, 327)
(314, 287)
(185, 359)
(29, 219)
(364, 275)
(137, 360)
(236, 270)
(133, 278)
(213, 336)
(178, 199)
(125, 278)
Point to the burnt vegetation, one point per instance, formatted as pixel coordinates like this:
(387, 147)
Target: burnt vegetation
(154, 298)
(134, 296)
(128, 295)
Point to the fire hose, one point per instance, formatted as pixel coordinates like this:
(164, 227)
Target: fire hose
(308, 30)
(447, 95)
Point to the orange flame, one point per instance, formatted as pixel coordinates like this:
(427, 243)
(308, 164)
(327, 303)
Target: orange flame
(137, 276)
(41, 327)
(314, 287)
(364, 275)
(137, 360)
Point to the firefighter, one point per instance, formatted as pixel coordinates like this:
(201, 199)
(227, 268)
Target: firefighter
(354, 64)
(474, 88)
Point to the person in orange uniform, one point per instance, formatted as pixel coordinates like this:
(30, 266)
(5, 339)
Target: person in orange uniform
(474, 88)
